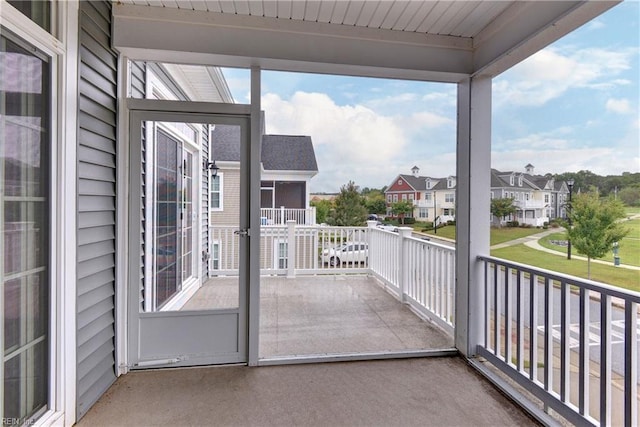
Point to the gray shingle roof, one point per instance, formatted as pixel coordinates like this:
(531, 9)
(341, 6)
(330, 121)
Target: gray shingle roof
(279, 152)
(288, 152)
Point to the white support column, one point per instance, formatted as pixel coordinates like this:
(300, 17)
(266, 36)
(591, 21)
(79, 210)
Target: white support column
(291, 248)
(254, 222)
(472, 210)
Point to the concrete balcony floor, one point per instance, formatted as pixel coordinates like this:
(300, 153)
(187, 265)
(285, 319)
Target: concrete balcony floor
(316, 315)
(405, 392)
(328, 314)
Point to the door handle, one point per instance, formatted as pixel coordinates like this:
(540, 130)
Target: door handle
(242, 233)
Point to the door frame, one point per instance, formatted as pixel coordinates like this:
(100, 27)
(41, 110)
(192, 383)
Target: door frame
(182, 110)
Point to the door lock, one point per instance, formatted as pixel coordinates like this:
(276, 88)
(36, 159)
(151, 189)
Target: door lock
(242, 233)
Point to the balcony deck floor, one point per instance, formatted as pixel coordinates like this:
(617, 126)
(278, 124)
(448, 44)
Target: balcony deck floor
(329, 314)
(403, 392)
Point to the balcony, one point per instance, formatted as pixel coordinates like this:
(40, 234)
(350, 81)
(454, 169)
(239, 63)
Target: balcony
(556, 343)
(280, 216)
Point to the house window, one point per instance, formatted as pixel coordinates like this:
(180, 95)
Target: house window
(389, 198)
(449, 198)
(37, 11)
(423, 213)
(282, 260)
(447, 212)
(404, 197)
(427, 197)
(511, 180)
(411, 196)
(395, 198)
(25, 216)
(214, 262)
(546, 198)
(215, 196)
(520, 181)
(526, 196)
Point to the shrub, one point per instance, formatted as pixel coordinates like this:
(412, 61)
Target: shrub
(512, 223)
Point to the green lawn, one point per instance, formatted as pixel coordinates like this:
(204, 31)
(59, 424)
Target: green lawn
(448, 231)
(498, 235)
(615, 276)
(505, 234)
(631, 210)
(629, 249)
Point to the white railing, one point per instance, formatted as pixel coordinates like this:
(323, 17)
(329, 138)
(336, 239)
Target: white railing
(280, 216)
(572, 343)
(313, 249)
(420, 273)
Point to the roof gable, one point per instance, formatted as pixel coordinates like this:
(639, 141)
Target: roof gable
(279, 152)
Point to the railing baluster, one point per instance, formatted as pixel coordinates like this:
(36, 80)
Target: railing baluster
(565, 354)
(631, 364)
(605, 360)
(487, 311)
(496, 312)
(519, 321)
(583, 379)
(507, 316)
(533, 328)
(548, 335)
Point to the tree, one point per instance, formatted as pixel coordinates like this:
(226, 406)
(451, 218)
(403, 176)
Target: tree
(349, 207)
(323, 207)
(630, 195)
(376, 204)
(594, 225)
(402, 208)
(501, 208)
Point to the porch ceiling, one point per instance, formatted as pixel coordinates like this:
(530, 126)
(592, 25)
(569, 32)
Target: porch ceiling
(426, 40)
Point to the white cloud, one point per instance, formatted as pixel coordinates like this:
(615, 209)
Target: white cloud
(598, 160)
(352, 142)
(551, 72)
(620, 106)
(360, 143)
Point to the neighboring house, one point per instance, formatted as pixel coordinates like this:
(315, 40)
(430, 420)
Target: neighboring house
(288, 164)
(537, 198)
(434, 199)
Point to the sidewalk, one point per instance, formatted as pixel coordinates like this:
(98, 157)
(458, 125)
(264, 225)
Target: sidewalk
(532, 242)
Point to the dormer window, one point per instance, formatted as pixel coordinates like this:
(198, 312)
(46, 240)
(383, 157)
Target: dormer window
(428, 184)
(512, 180)
(451, 182)
(520, 181)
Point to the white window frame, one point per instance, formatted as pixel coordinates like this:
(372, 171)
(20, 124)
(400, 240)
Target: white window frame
(213, 258)
(220, 178)
(449, 198)
(277, 258)
(61, 45)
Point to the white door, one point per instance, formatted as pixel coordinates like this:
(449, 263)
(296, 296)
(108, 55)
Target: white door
(177, 315)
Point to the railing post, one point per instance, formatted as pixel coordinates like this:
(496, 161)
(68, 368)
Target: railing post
(283, 220)
(312, 220)
(291, 248)
(404, 233)
(370, 226)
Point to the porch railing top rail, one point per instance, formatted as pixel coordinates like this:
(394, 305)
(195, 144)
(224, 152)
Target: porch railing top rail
(592, 285)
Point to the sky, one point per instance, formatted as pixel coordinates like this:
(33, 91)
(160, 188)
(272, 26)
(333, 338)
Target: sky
(572, 106)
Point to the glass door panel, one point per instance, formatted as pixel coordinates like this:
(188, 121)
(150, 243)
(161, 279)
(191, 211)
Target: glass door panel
(24, 231)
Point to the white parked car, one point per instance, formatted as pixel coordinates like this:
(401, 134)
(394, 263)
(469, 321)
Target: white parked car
(348, 252)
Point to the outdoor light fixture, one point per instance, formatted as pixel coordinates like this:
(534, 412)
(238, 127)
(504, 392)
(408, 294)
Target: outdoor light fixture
(570, 183)
(213, 168)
